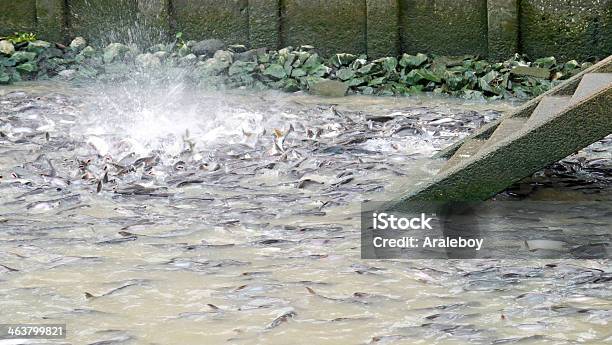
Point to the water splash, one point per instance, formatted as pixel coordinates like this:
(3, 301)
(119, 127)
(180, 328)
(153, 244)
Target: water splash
(167, 119)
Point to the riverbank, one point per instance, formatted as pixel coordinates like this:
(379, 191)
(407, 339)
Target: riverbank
(215, 65)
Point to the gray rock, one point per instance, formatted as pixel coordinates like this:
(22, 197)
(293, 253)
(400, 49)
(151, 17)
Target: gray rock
(237, 48)
(78, 43)
(224, 56)
(275, 71)
(207, 47)
(250, 55)
(39, 44)
(147, 60)
(114, 51)
(157, 48)
(329, 88)
(161, 55)
(184, 51)
(537, 72)
(188, 60)
(21, 56)
(212, 66)
(67, 74)
(6, 47)
(88, 52)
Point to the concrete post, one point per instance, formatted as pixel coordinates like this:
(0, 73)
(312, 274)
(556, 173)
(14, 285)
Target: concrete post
(503, 26)
(264, 23)
(50, 19)
(382, 28)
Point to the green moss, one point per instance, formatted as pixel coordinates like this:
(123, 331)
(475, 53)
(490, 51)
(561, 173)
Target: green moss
(383, 29)
(447, 27)
(581, 29)
(333, 25)
(104, 21)
(226, 20)
(17, 16)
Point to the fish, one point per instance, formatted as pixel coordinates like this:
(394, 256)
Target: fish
(285, 316)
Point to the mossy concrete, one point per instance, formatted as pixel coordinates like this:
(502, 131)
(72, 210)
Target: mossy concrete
(104, 21)
(154, 17)
(17, 16)
(264, 23)
(567, 29)
(333, 26)
(383, 29)
(447, 27)
(227, 20)
(50, 19)
(503, 28)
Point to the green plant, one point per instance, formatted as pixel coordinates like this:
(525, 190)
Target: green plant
(179, 39)
(17, 37)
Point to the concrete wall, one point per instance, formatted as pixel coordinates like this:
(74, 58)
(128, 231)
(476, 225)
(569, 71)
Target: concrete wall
(17, 16)
(227, 20)
(446, 26)
(579, 29)
(566, 28)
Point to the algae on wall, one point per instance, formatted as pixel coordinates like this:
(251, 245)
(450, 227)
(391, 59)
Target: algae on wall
(448, 27)
(227, 20)
(567, 29)
(334, 26)
(104, 21)
(17, 15)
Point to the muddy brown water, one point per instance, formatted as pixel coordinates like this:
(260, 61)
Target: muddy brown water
(169, 216)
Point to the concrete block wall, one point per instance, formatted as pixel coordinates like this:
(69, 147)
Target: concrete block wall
(568, 29)
(444, 26)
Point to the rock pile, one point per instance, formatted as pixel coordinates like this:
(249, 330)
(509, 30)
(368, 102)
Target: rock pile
(290, 69)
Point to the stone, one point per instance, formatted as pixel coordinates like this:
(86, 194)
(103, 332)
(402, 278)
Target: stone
(161, 55)
(6, 47)
(39, 44)
(275, 71)
(114, 51)
(147, 60)
(242, 67)
(250, 55)
(27, 67)
(21, 56)
(537, 72)
(88, 52)
(67, 74)
(207, 47)
(78, 43)
(329, 88)
(237, 48)
(223, 56)
(184, 51)
(157, 48)
(345, 74)
(188, 60)
(211, 66)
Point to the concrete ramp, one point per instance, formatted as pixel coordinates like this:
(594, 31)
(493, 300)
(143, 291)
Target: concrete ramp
(545, 130)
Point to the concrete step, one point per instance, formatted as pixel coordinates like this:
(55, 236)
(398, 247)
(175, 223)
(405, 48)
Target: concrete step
(515, 150)
(506, 129)
(548, 107)
(567, 88)
(590, 84)
(467, 150)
